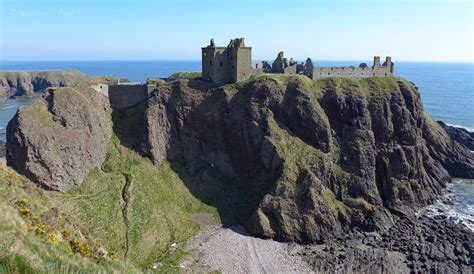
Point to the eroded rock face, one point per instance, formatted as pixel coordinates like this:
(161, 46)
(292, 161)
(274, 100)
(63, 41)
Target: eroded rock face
(321, 157)
(58, 140)
(460, 135)
(25, 83)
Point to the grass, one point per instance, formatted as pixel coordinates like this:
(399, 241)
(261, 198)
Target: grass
(333, 202)
(396, 185)
(185, 75)
(23, 249)
(158, 211)
(299, 157)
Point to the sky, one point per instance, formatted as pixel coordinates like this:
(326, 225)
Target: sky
(407, 30)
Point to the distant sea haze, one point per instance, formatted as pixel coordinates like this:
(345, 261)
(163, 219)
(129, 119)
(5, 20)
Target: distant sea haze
(447, 89)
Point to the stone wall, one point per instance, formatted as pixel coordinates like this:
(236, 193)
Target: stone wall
(127, 95)
(216, 65)
(242, 65)
(350, 72)
(223, 65)
(102, 89)
(362, 71)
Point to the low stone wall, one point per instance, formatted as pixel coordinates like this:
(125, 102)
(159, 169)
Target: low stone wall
(123, 96)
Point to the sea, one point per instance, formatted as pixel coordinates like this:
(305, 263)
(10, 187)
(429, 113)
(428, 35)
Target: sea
(447, 92)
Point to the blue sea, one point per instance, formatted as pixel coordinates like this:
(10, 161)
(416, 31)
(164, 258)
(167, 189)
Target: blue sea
(447, 91)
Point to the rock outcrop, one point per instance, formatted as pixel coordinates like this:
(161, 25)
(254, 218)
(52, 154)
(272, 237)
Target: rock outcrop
(460, 135)
(321, 157)
(25, 83)
(58, 140)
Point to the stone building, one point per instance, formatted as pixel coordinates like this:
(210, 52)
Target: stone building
(224, 65)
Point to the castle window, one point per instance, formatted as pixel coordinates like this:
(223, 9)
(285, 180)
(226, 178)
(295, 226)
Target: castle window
(210, 62)
(385, 74)
(374, 74)
(220, 64)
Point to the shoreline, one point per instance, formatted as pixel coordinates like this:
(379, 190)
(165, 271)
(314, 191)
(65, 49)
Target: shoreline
(412, 244)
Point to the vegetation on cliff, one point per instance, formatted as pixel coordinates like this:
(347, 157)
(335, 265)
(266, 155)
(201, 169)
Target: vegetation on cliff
(185, 75)
(37, 237)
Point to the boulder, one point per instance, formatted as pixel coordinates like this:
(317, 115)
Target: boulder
(59, 139)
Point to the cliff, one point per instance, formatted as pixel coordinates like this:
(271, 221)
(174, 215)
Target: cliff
(25, 83)
(460, 135)
(319, 158)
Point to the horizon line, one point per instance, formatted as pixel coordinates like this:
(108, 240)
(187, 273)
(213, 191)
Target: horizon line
(184, 60)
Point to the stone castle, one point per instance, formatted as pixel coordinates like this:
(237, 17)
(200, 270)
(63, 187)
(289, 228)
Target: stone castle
(231, 64)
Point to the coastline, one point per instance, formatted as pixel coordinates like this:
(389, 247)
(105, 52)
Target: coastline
(420, 243)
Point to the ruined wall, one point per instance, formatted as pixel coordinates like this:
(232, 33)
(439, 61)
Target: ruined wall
(223, 65)
(216, 65)
(123, 96)
(350, 72)
(241, 63)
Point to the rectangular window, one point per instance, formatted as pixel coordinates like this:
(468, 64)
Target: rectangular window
(220, 63)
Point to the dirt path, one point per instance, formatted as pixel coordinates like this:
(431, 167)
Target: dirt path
(233, 250)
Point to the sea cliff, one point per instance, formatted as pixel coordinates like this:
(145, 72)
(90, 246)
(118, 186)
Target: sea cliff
(318, 160)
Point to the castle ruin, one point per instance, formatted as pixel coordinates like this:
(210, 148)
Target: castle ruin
(231, 64)
(225, 65)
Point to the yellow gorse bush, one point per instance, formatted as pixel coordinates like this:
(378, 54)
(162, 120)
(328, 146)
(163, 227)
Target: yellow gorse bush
(44, 230)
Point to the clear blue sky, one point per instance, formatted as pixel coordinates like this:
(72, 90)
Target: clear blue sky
(417, 30)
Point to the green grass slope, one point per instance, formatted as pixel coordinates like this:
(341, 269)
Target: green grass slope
(35, 237)
(134, 208)
(128, 208)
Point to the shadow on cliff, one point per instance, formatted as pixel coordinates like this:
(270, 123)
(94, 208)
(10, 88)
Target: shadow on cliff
(205, 178)
(232, 200)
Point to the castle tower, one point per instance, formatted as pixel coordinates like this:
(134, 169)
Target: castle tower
(223, 65)
(388, 63)
(376, 62)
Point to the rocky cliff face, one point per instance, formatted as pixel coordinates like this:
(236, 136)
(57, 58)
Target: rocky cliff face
(25, 83)
(321, 157)
(60, 138)
(460, 135)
